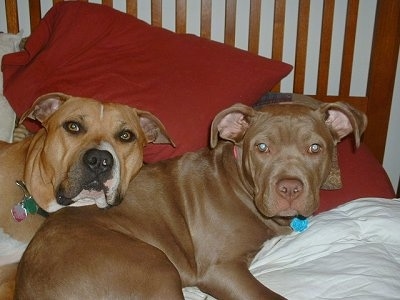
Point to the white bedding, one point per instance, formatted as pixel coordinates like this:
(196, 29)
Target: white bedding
(351, 252)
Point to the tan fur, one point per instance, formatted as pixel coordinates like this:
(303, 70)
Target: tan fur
(53, 156)
(7, 275)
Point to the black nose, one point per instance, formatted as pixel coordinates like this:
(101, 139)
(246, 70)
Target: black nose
(99, 161)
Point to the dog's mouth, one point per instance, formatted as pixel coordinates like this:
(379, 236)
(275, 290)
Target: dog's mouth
(289, 213)
(101, 193)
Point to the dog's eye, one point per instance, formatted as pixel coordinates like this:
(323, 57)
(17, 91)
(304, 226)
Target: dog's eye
(127, 136)
(314, 148)
(72, 127)
(262, 147)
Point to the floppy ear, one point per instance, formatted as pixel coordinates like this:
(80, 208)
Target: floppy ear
(342, 119)
(153, 129)
(231, 124)
(44, 107)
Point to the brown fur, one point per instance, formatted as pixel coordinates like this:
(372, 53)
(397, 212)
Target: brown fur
(197, 220)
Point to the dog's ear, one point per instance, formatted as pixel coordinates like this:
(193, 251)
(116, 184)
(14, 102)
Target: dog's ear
(44, 107)
(343, 119)
(153, 129)
(231, 124)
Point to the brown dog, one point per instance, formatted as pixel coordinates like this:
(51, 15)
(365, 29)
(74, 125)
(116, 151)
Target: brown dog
(86, 154)
(197, 220)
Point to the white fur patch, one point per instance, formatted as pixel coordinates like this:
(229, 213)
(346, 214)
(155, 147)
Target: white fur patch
(101, 111)
(90, 197)
(53, 206)
(10, 250)
(113, 183)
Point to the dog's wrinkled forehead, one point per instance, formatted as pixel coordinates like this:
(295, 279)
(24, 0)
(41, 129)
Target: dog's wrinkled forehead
(88, 109)
(285, 122)
(76, 118)
(289, 115)
(285, 108)
(80, 109)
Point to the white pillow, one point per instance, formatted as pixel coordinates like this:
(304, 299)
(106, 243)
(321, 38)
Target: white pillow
(8, 43)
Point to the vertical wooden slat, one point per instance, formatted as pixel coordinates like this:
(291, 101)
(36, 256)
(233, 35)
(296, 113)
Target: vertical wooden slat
(301, 46)
(278, 32)
(230, 22)
(325, 47)
(254, 29)
(156, 12)
(279, 28)
(34, 13)
(181, 16)
(205, 27)
(348, 47)
(12, 16)
(107, 2)
(382, 73)
(131, 7)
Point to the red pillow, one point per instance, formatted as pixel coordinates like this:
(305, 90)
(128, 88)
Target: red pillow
(362, 176)
(95, 51)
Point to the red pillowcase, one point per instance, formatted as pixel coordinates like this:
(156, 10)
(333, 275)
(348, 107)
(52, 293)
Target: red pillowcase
(362, 176)
(95, 51)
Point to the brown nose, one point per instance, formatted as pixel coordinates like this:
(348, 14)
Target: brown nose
(289, 189)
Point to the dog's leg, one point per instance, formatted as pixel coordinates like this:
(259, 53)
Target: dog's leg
(7, 281)
(240, 284)
(106, 265)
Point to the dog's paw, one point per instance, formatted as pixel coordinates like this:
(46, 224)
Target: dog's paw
(20, 133)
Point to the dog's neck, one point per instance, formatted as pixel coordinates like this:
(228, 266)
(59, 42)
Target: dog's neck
(235, 157)
(27, 206)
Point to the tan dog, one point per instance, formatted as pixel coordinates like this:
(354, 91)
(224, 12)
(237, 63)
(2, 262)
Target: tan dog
(86, 154)
(197, 220)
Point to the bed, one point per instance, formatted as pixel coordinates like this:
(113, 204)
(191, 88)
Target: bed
(95, 51)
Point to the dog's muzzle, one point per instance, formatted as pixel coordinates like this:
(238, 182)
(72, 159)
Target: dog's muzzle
(90, 180)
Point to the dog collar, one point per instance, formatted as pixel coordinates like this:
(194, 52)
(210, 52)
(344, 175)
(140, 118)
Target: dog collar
(299, 224)
(27, 206)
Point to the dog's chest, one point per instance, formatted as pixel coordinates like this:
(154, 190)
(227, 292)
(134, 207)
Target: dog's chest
(10, 249)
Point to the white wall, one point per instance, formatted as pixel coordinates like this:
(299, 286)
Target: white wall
(391, 161)
(362, 48)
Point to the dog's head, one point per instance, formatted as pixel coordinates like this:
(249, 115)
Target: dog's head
(87, 151)
(285, 150)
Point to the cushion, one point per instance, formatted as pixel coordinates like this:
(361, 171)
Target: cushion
(8, 44)
(362, 176)
(91, 50)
